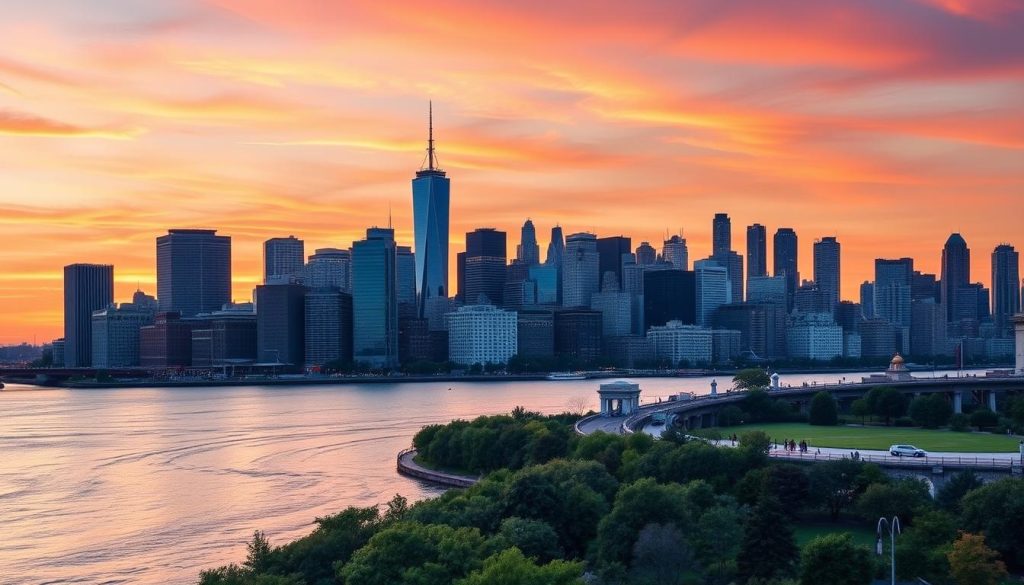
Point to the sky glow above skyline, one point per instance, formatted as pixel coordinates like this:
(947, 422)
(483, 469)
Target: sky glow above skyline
(888, 124)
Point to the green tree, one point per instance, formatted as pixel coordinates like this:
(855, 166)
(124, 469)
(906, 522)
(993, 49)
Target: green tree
(510, 567)
(416, 554)
(860, 409)
(715, 538)
(997, 511)
(835, 485)
(959, 422)
(921, 549)
(661, 556)
(955, 488)
(258, 557)
(785, 482)
(886, 402)
(730, 415)
(984, 418)
(971, 562)
(535, 538)
(931, 412)
(901, 498)
(823, 410)
(836, 560)
(757, 404)
(637, 505)
(751, 378)
(235, 575)
(768, 550)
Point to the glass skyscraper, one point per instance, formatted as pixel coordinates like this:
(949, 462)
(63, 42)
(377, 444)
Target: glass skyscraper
(757, 258)
(375, 299)
(193, 271)
(282, 258)
(87, 288)
(786, 261)
(827, 273)
(431, 191)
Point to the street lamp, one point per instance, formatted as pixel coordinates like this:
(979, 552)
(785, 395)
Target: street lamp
(893, 528)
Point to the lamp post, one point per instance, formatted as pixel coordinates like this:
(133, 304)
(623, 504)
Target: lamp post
(893, 527)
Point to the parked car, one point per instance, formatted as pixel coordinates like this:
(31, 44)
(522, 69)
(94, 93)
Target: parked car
(906, 451)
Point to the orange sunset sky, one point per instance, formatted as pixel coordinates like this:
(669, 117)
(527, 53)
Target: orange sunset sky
(888, 123)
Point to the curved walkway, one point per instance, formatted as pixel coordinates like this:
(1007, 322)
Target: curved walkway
(408, 466)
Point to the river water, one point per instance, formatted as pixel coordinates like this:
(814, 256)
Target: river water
(152, 485)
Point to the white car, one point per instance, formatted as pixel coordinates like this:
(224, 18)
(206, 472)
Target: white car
(906, 451)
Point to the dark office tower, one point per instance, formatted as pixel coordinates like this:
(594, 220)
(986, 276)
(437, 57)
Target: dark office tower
(721, 233)
(847, 315)
(757, 250)
(282, 258)
(675, 252)
(786, 261)
(519, 289)
(328, 326)
(556, 247)
(281, 324)
(87, 288)
(485, 267)
(892, 290)
(762, 327)
(580, 270)
(877, 338)
(809, 298)
(610, 251)
(1005, 291)
(827, 269)
(867, 299)
(330, 267)
(646, 254)
(528, 252)
(375, 299)
(669, 295)
(460, 275)
(406, 281)
(193, 271)
(578, 335)
(536, 334)
(975, 304)
(956, 274)
(431, 191)
(927, 328)
(924, 286)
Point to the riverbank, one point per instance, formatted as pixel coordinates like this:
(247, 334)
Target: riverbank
(53, 381)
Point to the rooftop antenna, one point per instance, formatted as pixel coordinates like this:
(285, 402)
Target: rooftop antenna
(389, 215)
(430, 135)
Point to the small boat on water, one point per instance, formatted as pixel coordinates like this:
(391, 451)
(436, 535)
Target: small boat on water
(559, 376)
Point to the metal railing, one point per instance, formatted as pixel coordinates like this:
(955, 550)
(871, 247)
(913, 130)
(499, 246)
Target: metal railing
(923, 462)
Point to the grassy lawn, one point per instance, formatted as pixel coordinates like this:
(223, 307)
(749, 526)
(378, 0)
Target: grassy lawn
(806, 532)
(879, 438)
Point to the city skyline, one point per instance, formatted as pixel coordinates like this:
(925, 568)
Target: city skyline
(261, 121)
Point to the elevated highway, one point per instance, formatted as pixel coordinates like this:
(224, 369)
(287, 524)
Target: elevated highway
(702, 411)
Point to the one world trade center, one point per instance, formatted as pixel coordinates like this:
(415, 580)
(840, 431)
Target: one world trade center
(430, 196)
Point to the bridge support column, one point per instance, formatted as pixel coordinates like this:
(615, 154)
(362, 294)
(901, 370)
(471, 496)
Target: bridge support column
(958, 402)
(992, 400)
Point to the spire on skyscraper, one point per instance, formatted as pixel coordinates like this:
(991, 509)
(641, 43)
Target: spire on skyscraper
(431, 162)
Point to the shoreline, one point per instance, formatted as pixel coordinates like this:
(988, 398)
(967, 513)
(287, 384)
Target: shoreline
(447, 378)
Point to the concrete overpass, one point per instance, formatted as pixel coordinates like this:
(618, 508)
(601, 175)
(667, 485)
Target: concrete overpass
(702, 411)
